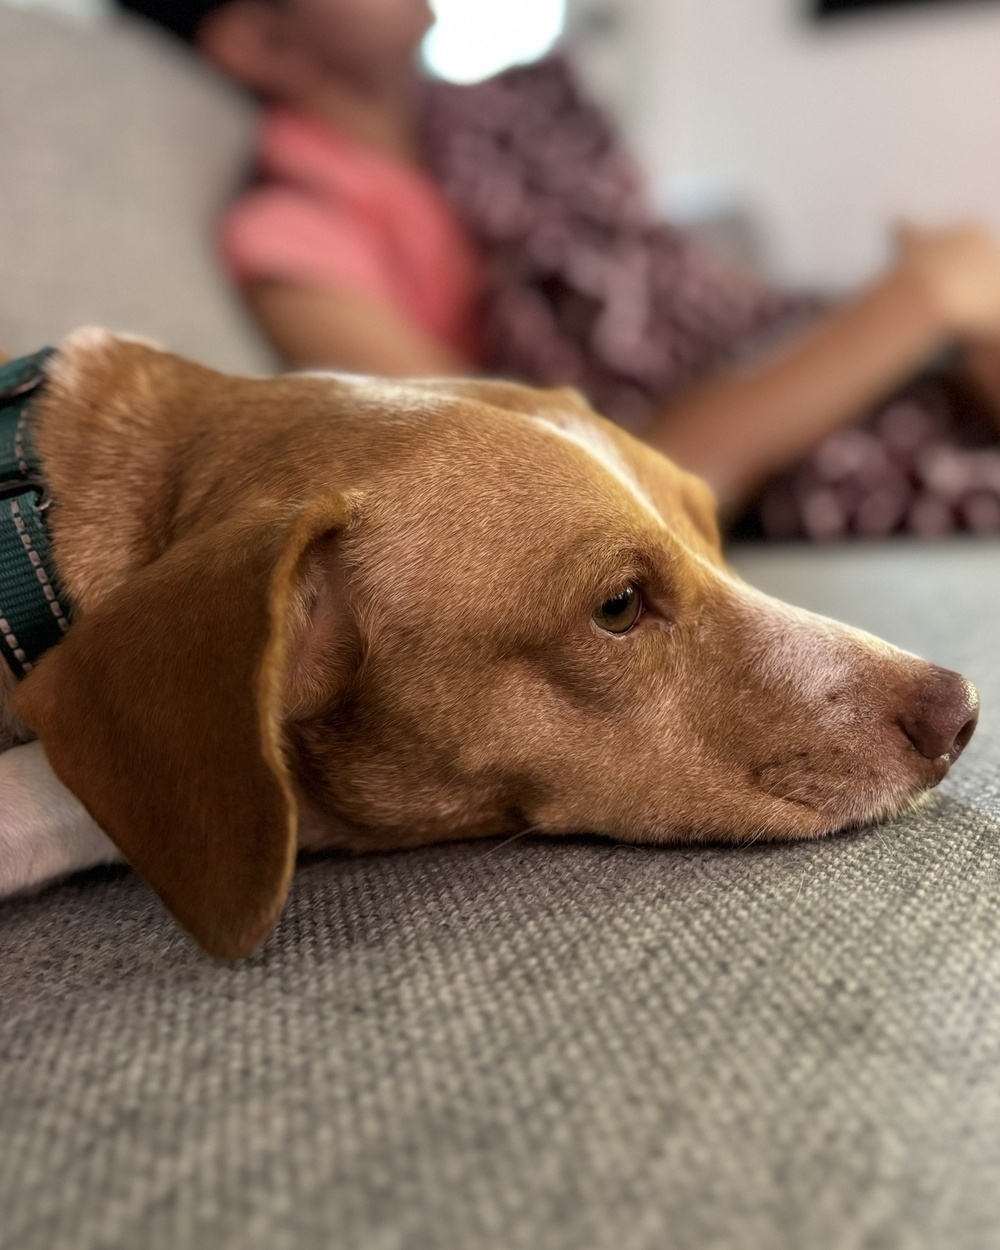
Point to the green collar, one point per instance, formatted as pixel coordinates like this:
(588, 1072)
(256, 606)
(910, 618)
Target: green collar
(34, 615)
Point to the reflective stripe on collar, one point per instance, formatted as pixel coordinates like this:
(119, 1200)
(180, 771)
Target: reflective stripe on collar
(33, 612)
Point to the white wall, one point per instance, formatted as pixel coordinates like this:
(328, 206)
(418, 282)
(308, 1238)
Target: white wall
(84, 10)
(826, 131)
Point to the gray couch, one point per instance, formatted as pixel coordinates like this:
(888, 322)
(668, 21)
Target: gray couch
(521, 1046)
(116, 152)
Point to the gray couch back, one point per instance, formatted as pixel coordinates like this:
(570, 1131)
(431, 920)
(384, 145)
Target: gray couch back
(117, 152)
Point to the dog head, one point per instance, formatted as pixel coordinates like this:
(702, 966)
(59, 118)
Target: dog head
(335, 611)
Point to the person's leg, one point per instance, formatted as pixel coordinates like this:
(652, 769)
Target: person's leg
(926, 463)
(741, 429)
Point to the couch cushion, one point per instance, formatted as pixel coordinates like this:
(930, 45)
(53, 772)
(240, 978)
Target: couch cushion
(117, 150)
(543, 1045)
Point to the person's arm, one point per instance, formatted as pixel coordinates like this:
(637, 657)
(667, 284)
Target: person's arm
(344, 329)
(739, 429)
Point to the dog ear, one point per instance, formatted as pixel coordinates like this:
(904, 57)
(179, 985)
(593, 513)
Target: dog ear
(162, 711)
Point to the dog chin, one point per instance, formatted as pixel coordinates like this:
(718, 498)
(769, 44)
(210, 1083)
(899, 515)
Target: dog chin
(875, 809)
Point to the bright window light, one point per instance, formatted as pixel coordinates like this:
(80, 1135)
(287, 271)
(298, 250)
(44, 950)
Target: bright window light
(475, 38)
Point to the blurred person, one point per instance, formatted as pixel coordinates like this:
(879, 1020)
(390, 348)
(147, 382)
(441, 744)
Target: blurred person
(401, 227)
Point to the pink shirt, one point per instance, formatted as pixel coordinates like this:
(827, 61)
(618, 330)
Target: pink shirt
(330, 213)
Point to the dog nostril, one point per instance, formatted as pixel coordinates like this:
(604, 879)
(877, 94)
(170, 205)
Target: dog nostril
(964, 735)
(942, 716)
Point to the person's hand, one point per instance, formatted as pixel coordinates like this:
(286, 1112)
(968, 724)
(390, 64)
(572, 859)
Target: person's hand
(958, 271)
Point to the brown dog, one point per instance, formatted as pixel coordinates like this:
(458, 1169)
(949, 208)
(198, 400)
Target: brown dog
(319, 611)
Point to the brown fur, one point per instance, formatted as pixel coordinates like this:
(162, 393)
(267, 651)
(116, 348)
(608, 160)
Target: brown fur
(326, 611)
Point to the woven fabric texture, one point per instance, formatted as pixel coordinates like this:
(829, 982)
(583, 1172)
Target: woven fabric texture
(546, 1046)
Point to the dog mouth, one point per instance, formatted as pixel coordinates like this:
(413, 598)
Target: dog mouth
(826, 801)
(841, 784)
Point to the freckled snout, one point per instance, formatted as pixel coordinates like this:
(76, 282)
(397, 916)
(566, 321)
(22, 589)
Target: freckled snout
(941, 716)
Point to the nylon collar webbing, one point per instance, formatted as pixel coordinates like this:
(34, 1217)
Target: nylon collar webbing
(34, 614)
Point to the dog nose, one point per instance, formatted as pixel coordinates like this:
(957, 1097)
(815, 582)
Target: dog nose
(942, 715)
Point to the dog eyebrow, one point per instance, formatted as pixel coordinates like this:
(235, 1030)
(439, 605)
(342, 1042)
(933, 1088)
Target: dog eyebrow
(593, 567)
(590, 438)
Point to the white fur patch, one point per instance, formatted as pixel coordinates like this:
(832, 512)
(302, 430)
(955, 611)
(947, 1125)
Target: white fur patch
(45, 833)
(589, 437)
(338, 375)
(68, 366)
(814, 651)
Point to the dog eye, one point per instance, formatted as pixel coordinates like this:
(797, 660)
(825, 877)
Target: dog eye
(618, 615)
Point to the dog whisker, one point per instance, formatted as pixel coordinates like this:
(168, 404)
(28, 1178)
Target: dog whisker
(878, 835)
(754, 836)
(507, 841)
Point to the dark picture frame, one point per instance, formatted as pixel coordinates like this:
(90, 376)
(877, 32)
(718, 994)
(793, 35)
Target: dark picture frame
(843, 8)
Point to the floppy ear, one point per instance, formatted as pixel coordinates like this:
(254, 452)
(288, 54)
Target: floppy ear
(161, 710)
